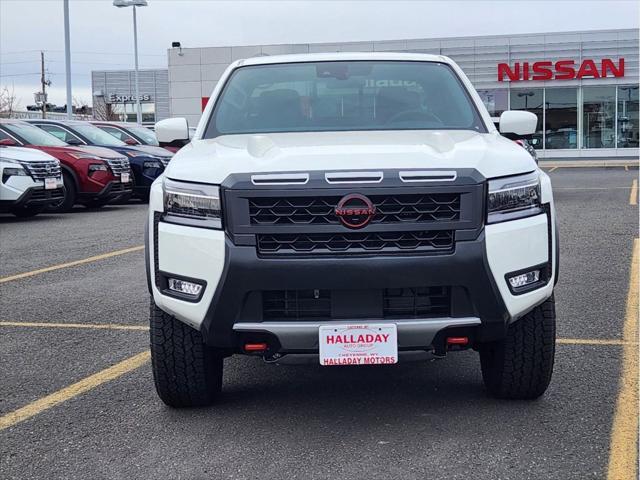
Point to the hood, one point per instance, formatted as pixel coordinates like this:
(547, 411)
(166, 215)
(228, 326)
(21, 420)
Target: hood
(24, 154)
(152, 150)
(146, 149)
(212, 160)
(102, 152)
(99, 152)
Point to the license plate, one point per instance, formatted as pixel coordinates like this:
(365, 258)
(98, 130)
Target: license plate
(50, 183)
(360, 344)
(124, 177)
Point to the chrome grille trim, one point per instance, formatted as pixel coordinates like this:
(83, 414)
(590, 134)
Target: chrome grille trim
(39, 170)
(118, 165)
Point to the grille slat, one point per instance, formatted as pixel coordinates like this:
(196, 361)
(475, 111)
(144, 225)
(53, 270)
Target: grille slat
(401, 208)
(440, 241)
(42, 194)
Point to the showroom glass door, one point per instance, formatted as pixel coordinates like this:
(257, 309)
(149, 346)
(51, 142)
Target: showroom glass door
(531, 100)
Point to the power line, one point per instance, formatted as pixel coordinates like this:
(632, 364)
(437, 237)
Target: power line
(19, 74)
(17, 52)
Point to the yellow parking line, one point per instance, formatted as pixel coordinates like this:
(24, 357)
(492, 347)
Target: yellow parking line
(593, 341)
(552, 169)
(96, 326)
(623, 449)
(70, 264)
(626, 168)
(633, 196)
(78, 388)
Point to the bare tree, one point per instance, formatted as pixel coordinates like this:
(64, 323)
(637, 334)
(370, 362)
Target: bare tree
(104, 111)
(9, 103)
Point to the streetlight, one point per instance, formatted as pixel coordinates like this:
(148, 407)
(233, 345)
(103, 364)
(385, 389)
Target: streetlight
(134, 4)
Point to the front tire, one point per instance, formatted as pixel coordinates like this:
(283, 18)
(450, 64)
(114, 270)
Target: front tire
(521, 365)
(70, 196)
(186, 372)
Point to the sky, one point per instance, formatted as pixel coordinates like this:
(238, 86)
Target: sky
(102, 35)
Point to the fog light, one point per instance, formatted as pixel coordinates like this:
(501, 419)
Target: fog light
(181, 286)
(524, 279)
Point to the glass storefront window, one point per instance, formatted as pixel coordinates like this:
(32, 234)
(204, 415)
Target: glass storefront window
(127, 112)
(530, 100)
(561, 129)
(598, 117)
(628, 117)
(496, 101)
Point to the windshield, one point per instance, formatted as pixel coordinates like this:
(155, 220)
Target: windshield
(97, 136)
(335, 96)
(33, 135)
(146, 135)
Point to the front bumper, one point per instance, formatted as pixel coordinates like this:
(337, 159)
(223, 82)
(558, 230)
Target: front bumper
(475, 272)
(33, 197)
(111, 191)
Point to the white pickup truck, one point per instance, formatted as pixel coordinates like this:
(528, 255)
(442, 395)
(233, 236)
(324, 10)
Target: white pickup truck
(355, 208)
(30, 180)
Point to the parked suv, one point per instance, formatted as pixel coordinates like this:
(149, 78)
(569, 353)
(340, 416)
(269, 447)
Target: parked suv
(355, 207)
(147, 163)
(30, 181)
(92, 176)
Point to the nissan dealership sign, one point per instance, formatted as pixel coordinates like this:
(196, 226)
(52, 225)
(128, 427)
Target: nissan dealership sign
(560, 70)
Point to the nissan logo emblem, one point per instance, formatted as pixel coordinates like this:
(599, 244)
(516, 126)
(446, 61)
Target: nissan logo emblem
(355, 210)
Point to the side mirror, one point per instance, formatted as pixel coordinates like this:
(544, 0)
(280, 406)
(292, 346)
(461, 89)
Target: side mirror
(8, 142)
(74, 141)
(517, 124)
(130, 141)
(172, 132)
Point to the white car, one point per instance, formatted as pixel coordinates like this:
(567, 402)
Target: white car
(356, 209)
(31, 180)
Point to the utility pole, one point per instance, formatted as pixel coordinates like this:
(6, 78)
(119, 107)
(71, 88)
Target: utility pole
(44, 83)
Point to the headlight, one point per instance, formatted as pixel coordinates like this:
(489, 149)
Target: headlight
(97, 167)
(515, 197)
(13, 171)
(192, 204)
(152, 164)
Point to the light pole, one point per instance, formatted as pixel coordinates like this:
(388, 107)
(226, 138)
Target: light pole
(67, 60)
(134, 4)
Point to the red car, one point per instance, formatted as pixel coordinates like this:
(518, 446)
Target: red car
(93, 176)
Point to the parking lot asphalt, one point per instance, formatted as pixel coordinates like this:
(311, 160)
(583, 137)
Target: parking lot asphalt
(67, 412)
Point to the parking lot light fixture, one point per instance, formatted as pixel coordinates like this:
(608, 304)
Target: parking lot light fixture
(134, 4)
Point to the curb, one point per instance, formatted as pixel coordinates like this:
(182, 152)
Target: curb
(589, 163)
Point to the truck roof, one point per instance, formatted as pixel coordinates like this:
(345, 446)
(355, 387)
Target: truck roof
(343, 56)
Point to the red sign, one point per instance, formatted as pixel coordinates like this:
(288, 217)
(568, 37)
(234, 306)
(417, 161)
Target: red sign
(204, 101)
(560, 70)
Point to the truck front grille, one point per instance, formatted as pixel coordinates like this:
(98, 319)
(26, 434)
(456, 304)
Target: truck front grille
(39, 170)
(414, 302)
(399, 208)
(417, 302)
(440, 241)
(118, 165)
